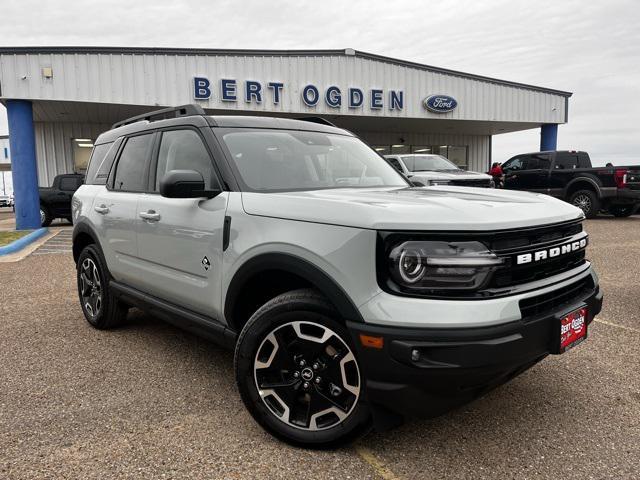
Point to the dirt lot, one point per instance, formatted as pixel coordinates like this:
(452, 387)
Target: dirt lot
(150, 401)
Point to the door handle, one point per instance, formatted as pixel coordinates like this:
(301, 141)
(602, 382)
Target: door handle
(150, 215)
(102, 209)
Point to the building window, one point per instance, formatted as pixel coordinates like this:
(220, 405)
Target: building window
(420, 149)
(458, 155)
(6, 152)
(382, 149)
(400, 149)
(81, 149)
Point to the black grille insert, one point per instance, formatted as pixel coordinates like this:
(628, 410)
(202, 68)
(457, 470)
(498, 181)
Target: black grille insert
(471, 183)
(548, 302)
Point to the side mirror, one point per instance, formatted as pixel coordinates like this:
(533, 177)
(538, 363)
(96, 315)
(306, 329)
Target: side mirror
(185, 184)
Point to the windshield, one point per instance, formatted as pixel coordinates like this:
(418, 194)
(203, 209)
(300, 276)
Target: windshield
(424, 163)
(283, 160)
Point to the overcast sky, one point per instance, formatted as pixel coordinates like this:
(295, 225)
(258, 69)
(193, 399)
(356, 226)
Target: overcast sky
(586, 47)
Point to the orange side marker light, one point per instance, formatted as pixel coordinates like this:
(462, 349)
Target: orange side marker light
(371, 342)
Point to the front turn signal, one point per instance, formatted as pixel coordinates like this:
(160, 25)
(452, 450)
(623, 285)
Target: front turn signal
(371, 342)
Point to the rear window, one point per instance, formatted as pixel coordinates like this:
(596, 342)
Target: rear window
(70, 184)
(100, 164)
(566, 161)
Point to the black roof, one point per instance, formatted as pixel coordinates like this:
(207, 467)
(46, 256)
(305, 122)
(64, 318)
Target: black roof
(259, 52)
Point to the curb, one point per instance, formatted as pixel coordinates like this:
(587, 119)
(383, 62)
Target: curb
(19, 244)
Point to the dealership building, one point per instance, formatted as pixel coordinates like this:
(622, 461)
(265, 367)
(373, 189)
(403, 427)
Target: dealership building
(59, 99)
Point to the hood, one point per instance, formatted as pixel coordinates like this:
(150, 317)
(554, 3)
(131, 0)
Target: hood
(450, 175)
(424, 208)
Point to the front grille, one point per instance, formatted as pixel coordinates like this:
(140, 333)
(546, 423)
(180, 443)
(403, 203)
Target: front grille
(510, 244)
(515, 275)
(470, 183)
(551, 301)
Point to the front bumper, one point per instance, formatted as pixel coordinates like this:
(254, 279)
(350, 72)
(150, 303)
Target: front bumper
(457, 365)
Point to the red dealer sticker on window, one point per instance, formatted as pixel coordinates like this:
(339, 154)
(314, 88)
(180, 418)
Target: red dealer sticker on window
(573, 329)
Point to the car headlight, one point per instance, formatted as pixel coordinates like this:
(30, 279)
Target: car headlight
(438, 182)
(433, 265)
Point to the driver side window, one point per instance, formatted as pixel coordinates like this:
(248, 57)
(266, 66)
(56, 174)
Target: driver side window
(184, 150)
(513, 165)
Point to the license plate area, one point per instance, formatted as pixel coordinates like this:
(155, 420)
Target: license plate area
(571, 329)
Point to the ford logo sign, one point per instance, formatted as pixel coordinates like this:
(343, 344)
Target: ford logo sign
(440, 103)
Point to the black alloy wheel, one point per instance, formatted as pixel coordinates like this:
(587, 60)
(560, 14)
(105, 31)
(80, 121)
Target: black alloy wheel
(298, 374)
(587, 201)
(100, 307)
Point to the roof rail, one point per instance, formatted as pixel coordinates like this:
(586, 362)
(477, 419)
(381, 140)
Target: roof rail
(319, 120)
(171, 112)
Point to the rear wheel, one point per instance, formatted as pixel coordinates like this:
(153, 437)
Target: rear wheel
(298, 374)
(587, 201)
(101, 309)
(621, 210)
(45, 216)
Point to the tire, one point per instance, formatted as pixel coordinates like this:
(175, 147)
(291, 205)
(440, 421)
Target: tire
(622, 211)
(297, 407)
(587, 201)
(45, 216)
(101, 309)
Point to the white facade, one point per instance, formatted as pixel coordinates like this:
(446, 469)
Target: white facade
(77, 93)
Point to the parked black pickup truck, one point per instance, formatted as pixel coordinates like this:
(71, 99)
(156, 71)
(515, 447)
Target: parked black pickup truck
(55, 201)
(569, 175)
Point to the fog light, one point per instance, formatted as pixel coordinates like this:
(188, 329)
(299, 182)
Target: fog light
(415, 355)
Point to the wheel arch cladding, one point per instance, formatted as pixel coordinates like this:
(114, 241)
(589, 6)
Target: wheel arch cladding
(284, 272)
(82, 236)
(582, 183)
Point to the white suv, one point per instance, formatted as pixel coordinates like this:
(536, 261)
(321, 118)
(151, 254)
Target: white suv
(429, 169)
(352, 298)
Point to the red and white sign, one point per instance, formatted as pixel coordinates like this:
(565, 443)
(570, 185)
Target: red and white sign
(573, 329)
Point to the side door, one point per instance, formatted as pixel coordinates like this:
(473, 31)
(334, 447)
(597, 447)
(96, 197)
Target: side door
(562, 171)
(180, 239)
(68, 185)
(535, 175)
(115, 209)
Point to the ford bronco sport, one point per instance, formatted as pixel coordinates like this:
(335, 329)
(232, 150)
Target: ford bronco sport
(352, 299)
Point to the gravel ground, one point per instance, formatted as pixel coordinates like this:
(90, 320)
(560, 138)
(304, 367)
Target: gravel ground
(150, 401)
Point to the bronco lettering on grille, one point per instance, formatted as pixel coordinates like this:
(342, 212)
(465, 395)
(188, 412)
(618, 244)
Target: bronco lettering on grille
(553, 252)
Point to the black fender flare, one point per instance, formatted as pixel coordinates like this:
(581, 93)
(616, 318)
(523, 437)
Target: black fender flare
(297, 266)
(586, 179)
(82, 228)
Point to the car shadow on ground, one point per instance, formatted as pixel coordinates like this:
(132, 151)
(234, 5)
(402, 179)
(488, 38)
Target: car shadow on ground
(495, 414)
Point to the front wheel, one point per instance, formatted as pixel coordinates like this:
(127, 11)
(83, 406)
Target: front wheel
(622, 211)
(298, 374)
(587, 201)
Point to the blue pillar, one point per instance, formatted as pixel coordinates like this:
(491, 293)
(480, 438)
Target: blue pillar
(549, 137)
(24, 168)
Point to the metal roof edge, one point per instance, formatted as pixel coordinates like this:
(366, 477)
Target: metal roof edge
(261, 52)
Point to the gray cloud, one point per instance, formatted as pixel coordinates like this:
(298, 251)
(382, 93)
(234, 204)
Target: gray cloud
(589, 48)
